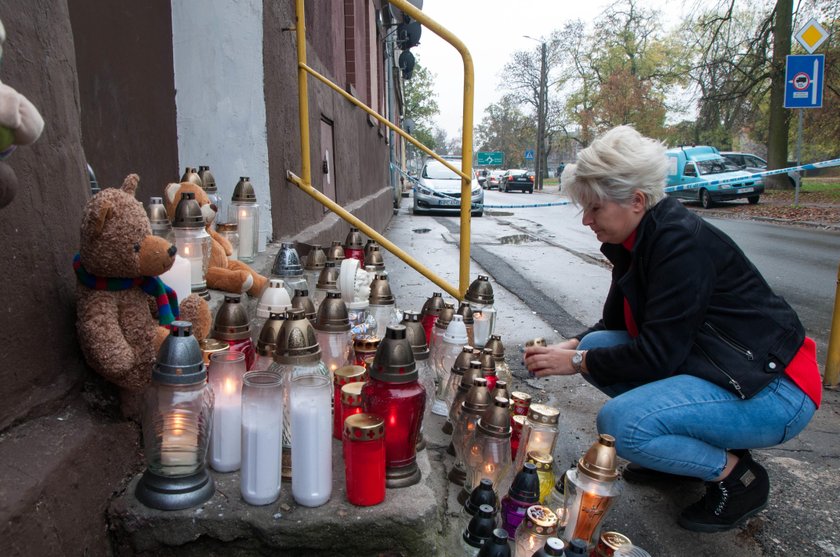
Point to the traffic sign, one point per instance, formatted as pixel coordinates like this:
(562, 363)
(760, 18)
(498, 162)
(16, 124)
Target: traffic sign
(804, 81)
(529, 155)
(811, 36)
(490, 158)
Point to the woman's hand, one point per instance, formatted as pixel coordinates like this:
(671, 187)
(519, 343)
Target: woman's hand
(556, 359)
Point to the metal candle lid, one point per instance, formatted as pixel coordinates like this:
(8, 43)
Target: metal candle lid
(518, 421)
(210, 346)
(179, 360)
(380, 292)
(445, 316)
(191, 176)
(483, 494)
(495, 344)
(351, 394)
(302, 301)
(227, 227)
(332, 314)
(369, 246)
(543, 414)
(157, 214)
(480, 291)
(364, 427)
(349, 374)
(374, 259)
(434, 304)
(500, 389)
(394, 361)
(232, 321)
(539, 341)
(469, 376)
(315, 259)
(520, 399)
(274, 299)
(495, 421)
(287, 262)
(328, 279)
(478, 398)
(543, 461)
(208, 181)
(462, 361)
(465, 311)
(267, 341)
(354, 239)
(296, 341)
(488, 362)
(243, 191)
(540, 520)
(416, 335)
(188, 212)
(336, 251)
(599, 462)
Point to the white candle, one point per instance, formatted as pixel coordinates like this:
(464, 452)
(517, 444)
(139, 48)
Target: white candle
(261, 455)
(311, 440)
(246, 234)
(481, 328)
(178, 277)
(196, 263)
(226, 438)
(179, 443)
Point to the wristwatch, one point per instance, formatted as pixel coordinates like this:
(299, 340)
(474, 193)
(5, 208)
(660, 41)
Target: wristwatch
(577, 361)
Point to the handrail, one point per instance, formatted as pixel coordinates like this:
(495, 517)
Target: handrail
(304, 182)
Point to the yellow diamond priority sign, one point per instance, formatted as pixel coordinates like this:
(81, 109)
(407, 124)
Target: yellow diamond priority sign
(811, 36)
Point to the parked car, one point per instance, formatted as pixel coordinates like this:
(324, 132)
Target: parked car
(439, 189)
(700, 167)
(517, 179)
(494, 179)
(753, 163)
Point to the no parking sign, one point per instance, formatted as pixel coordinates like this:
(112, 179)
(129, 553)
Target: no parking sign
(804, 81)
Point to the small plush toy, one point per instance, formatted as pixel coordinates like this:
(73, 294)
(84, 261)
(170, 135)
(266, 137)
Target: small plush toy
(117, 269)
(20, 124)
(223, 273)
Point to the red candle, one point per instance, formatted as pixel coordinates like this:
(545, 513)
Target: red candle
(364, 459)
(343, 376)
(516, 433)
(350, 402)
(245, 346)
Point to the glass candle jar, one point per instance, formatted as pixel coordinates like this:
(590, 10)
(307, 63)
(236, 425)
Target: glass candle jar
(225, 378)
(394, 393)
(354, 247)
(193, 241)
(177, 417)
(539, 525)
(438, 330)
(210, 346)
(364, 459)
(524, 492)
(341, 377)
(461, 377)
(267, 341)
(502, 368)
(449, 348)
(351, 401)
(430, 312)
(520, 403)
(487, 451)
(262, 433)
(480, 298)
(302, 300)
(230, 232)
(381, 303)
(311, 398)
(539, 432)
(488, 366)
(327, 281)
(245, 212)
(208, 184)
(232, 325)
(274, 299)
(467, 317)
(313, 264)
(545, 471)
(517, 423)
(332, 329)
(477, 400)
(591, 490)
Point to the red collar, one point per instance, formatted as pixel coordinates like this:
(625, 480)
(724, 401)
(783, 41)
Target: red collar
(630, 241)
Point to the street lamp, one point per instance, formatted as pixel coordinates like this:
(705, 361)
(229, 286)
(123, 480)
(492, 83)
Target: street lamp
(541, 109)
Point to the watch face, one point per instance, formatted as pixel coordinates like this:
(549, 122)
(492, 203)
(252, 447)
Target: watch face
(577, 359)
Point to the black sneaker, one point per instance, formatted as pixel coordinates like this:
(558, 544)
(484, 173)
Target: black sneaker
(731, 501)
(637, 474)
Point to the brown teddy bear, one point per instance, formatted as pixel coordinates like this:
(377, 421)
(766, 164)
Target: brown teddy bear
(223, 273)
(117, 269)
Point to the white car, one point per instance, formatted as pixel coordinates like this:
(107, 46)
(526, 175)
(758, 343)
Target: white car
(753, 163)
(439, 189)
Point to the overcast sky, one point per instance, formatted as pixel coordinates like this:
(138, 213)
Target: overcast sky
(492, 30)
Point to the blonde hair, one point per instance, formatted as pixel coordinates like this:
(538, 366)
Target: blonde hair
(614, 166)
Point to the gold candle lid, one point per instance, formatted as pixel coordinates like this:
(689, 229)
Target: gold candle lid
(434, 304)
(445, 315)
(543, 414)
(541, 460)
(539, 341)
(599, 462)
(315, 259)
(351, 393)
(495, 344)
(465, 311)
(614, 540)
(495, 421)
(364, 427)
(520, 399)
(336, 251)
(518, 422)
(210, 346)
(349, 374)
(540, 520)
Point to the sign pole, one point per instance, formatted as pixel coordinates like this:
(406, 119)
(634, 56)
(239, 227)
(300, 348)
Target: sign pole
(798, 157)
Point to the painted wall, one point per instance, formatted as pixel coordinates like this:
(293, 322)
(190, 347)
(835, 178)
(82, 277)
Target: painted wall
(218, 60)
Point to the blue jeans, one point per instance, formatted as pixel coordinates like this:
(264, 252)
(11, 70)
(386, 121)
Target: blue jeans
(684, 424)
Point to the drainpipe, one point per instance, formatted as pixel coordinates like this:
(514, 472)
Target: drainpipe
(389, 113)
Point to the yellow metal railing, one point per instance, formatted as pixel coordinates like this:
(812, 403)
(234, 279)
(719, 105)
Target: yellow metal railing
(832, 362)
(304, 182)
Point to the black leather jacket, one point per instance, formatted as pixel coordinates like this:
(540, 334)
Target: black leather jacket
(700, 306)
